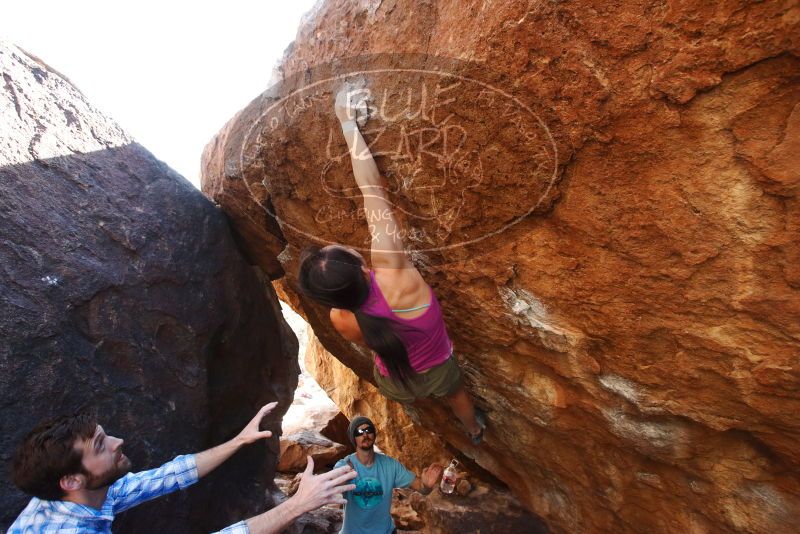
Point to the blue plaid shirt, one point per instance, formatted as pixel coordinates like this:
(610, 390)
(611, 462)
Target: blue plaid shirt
(132, 489)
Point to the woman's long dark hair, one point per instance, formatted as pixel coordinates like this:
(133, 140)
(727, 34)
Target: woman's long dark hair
(332, 276)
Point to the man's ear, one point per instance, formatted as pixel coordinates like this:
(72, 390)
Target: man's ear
(72, 482)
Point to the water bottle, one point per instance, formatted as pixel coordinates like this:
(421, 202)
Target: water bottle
(449, 477)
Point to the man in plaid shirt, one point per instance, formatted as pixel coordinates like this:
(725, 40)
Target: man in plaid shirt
(80, 479)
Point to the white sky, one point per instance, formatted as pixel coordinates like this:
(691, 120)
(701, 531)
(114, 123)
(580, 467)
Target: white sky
(170, 73)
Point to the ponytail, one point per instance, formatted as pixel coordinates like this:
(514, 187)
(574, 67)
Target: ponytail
(381, 337)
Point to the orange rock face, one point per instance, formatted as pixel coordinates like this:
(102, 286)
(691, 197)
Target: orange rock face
(604, 197)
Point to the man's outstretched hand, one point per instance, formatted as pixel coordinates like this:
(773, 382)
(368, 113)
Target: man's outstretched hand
(318, 490)
(314, 491)
(431, 475)
(251, 432)
(208, 460)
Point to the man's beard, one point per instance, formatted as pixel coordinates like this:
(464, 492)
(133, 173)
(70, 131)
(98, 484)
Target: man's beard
(105, 479)
(366, 447)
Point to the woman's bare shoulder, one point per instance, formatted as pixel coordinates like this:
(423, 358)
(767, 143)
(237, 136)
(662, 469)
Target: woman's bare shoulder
(337, 317)
(345, 322)
(343, 319)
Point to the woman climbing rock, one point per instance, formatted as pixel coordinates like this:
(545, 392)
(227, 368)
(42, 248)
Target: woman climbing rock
(388, 308)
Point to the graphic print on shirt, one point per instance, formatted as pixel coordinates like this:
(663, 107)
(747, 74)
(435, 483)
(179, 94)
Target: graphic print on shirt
(368, 492)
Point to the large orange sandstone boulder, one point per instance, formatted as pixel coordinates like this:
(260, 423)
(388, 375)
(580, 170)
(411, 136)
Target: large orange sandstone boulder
(604, 197)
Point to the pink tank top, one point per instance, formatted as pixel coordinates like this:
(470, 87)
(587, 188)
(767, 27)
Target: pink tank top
(425, 336)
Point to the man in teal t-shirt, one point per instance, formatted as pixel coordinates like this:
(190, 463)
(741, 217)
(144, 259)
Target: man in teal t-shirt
(368, 508)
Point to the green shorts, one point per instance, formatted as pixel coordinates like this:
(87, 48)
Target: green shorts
(439, 381)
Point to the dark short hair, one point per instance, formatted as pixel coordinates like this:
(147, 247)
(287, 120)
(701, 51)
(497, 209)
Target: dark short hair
(332, 276)
(48, 453)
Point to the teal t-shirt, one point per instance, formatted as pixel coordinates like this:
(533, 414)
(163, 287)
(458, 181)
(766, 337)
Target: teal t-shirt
(368, 508)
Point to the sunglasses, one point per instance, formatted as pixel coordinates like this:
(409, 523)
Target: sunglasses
(367, 430)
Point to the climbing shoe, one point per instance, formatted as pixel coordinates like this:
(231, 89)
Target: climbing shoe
(480, 416)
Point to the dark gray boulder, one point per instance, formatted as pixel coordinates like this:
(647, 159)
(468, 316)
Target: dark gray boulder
(122, 290)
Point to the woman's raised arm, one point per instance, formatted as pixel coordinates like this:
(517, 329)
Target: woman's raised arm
(387, 248)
